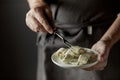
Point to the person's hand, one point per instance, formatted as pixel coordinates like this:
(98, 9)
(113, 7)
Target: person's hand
(103, 49)
(39, 18)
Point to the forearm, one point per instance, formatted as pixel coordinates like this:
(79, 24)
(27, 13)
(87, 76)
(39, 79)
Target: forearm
(34, 3)
(113, 33)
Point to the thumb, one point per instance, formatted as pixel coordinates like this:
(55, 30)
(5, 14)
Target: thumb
(100, 58)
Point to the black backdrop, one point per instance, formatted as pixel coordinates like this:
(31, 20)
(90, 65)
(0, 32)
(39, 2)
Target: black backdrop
(17, 43)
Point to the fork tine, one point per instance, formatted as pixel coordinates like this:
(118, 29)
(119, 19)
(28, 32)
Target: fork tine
(67, 43)
(64, 40)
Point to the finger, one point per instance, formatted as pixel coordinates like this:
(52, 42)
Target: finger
(98, 48)
(100, 54)
(91, 68)
(33, 24)
(41, 18)
(49, 15)
(98, 66)
(87, 69)
(40, 27)
(103, 56)
(95, 69)
(100, 58)
(101, 65)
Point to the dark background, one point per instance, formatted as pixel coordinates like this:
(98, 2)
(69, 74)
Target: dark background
(17, 43)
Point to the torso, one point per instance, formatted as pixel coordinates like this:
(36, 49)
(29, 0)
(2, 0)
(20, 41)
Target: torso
(86, 11)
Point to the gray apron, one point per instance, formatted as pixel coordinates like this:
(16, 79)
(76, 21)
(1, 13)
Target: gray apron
(76, 34)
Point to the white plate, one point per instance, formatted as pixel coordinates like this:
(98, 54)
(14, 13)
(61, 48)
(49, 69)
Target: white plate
(58, 61)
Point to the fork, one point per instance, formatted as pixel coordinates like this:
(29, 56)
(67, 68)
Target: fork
(68, 44)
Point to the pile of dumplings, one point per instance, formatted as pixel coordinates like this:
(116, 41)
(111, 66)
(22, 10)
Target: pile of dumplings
(76, 55)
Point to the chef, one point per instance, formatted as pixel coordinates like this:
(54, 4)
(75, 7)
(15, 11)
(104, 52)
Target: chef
(93, 24)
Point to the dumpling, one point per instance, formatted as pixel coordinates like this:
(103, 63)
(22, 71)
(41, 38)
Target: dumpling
(75, 55)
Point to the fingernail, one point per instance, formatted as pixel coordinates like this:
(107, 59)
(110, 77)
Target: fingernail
(51, 31)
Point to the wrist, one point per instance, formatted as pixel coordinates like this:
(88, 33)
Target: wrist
(108, 42)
